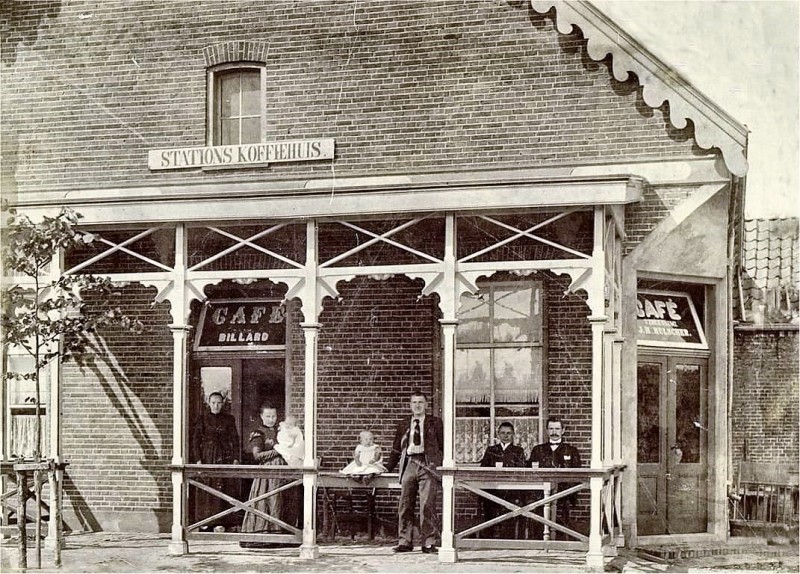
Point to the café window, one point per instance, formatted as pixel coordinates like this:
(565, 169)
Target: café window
(669, 319)
(237, 107)
(21, 405)
(498, 365)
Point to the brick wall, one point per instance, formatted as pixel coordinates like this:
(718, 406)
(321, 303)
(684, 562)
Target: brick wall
(569, 363)
(375, 348)
(403, 87)
(766, 396)
(642, 217)
(117, 424)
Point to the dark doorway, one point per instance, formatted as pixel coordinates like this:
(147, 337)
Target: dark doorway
(245, 383)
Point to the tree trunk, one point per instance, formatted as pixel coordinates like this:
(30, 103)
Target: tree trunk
(22, 498)
(37, 453)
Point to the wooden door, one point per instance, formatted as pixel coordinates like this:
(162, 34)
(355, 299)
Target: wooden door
(672, 443)
(651, 446)
(687, 466)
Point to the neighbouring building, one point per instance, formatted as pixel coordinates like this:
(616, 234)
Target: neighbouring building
(511, 206)
(765, 435)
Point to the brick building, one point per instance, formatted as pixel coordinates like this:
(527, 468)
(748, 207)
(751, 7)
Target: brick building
(766, 366)
(511, 206)
(765, 436)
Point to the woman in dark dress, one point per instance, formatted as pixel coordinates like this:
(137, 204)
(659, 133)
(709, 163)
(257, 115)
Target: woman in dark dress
(262, 444)
(214, 441)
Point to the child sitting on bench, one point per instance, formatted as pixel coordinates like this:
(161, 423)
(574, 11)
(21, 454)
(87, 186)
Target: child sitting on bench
(367, 459)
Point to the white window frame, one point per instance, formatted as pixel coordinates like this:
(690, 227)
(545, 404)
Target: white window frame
(212, 119)
(540, 343)
(13, 407)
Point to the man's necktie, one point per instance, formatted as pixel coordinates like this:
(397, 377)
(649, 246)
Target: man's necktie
(417, 437)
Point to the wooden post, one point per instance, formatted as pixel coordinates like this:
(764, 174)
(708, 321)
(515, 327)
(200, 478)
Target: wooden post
(448, 552)
(448, 304)
(22, 499)
(309, 549)
(617, 382)
(55, 527)
(180, 335)
(594, 557)
(37, 485)
(598, 320)
(608, 398)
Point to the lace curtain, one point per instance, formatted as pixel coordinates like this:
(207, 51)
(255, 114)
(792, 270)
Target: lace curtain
(472, 436)
(23, 435)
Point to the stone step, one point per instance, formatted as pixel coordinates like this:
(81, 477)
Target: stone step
(702, 550)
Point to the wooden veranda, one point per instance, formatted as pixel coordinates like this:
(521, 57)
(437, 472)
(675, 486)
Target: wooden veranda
(447, 273)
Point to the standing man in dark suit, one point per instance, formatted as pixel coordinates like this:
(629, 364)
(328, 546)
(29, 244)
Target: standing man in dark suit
(504, 454)
(418, 448)
(556, 453)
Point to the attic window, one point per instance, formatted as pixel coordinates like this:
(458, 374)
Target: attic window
(237, 106)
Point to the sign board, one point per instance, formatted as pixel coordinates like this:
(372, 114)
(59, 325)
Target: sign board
(668, 319)
(247, 155)
(241, 325)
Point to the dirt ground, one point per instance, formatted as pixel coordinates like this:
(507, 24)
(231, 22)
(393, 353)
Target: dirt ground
(115, 552)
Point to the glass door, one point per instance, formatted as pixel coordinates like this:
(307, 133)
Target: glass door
(651, 446)
(672, 443)
(687, 472)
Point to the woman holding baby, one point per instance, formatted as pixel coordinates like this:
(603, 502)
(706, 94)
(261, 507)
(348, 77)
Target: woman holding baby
(263, 441)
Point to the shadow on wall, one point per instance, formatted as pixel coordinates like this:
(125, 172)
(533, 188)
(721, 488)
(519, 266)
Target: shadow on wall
(134, 403)
(119, 392)
(575, 42)
(21, 21)
(86, 520)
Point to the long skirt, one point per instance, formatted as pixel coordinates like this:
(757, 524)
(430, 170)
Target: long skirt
(271, 505)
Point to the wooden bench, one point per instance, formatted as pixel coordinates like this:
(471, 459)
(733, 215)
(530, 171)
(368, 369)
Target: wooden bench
(766, 493)
(332, 518)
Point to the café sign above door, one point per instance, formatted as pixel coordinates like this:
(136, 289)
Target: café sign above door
(668, 319)
(242, 325)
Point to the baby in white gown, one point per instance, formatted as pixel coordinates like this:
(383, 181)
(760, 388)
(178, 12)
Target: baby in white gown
(367, 458)
(291, 445)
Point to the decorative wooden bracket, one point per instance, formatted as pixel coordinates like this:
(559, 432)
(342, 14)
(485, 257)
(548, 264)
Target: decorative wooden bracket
(583, 280)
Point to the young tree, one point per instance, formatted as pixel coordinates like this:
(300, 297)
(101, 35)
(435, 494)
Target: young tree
(45, 315)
